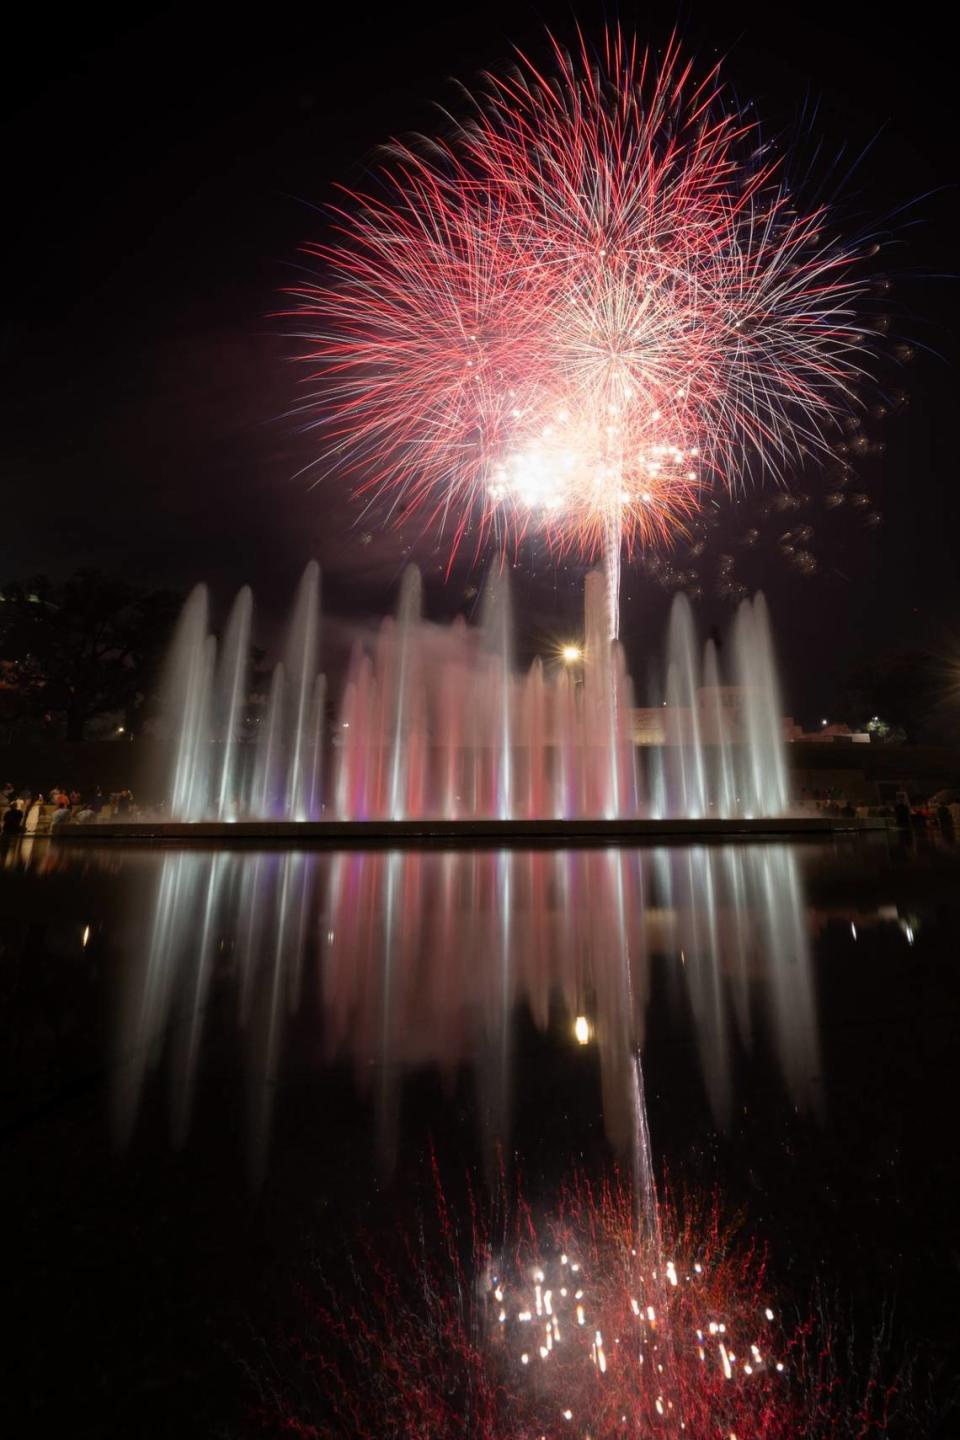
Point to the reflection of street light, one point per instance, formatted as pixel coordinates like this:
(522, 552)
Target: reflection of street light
(571, 654)
(581, 1028)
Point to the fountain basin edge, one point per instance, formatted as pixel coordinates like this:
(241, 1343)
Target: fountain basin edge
(468, 832)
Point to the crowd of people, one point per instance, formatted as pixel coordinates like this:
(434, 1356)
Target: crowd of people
(27, 812)
(939, 814)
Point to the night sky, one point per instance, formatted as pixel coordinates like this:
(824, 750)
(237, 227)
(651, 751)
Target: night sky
(162, 168)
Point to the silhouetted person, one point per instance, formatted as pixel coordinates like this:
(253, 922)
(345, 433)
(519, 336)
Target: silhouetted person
(12, 823)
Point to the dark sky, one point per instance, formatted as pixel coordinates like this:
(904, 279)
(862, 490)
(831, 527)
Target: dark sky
(162, 168)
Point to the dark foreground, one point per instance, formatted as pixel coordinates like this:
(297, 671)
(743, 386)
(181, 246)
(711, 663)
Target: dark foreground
(229, 1074)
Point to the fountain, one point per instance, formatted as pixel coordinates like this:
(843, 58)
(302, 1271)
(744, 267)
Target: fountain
(438, 724)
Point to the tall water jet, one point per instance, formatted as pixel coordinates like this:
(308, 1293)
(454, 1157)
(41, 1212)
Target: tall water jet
(497, 624)
(765, 788)
(612, 545)
(535, 747)
(400, 705)
(267, 773)
(315, 753)
(187, 702)
(301, 661)
(717, 732)
(453, 707)
(436, 722)
(564, 736)
(687, 787)
(231, 696)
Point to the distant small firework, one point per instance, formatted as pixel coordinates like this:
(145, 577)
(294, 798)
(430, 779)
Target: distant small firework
(589, 303)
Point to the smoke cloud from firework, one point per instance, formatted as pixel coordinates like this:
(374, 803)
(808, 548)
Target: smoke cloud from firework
(587, 303)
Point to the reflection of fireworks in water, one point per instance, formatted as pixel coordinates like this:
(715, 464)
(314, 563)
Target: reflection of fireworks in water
(607, 1332)
(584, 1327)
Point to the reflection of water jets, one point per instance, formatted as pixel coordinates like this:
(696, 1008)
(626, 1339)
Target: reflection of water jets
(186, 1040)
(493, 949)
(254, 900)
(786, 946)
(285, 962)
(722, 897)
(387, 1089)
(734, 884)
(700, 942)
(150, 991)
(625, 1075)
(426, 956)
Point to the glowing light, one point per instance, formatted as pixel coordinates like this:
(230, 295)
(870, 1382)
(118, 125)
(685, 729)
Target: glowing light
(497, 330)
(581, 1029)
(85, 937)
(571, 654)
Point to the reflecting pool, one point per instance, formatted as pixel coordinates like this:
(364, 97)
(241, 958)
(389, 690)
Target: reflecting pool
(232, 1074)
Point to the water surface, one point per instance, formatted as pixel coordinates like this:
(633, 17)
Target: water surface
(222, 1067)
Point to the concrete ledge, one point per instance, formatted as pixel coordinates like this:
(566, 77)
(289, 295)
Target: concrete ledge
(465, 832)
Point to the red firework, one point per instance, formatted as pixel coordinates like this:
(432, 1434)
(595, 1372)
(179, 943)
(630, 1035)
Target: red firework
(587, 302)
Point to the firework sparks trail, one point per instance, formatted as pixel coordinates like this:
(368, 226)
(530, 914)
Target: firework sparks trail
(589, 301)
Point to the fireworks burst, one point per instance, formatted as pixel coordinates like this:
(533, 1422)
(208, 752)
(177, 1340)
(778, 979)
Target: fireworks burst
(591, 299)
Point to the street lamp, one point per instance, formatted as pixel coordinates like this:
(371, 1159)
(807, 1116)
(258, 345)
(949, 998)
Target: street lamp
(571, 654)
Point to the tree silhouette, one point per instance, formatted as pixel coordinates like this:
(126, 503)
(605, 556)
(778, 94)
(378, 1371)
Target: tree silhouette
(76, 650)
